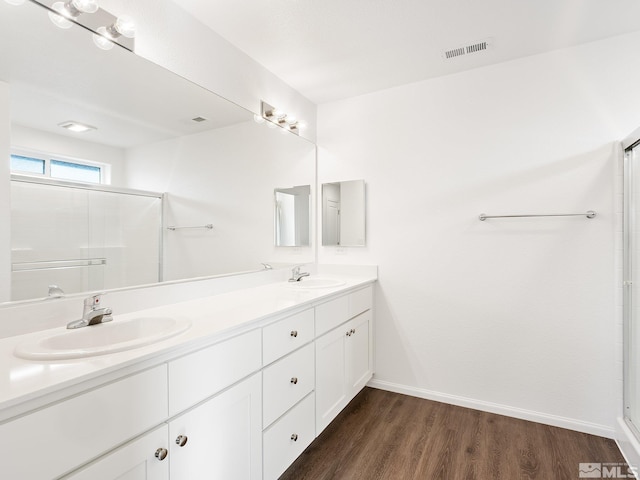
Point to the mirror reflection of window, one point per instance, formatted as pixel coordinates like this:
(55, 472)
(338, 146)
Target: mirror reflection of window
(293, 216)
(343, 213)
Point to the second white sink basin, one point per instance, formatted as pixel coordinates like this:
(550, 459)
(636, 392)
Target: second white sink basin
(317, 282)
(115, 336)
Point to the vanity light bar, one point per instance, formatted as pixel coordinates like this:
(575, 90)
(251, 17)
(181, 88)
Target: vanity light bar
(109, 28)
(277, 117)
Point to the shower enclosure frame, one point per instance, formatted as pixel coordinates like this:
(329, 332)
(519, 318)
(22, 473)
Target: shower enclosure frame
(108, 189)
(629, 243)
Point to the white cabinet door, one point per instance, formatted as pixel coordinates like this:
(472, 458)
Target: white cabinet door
(136, 460)
(331, 376)
(343, 367)
(357, 353)
(221, 438)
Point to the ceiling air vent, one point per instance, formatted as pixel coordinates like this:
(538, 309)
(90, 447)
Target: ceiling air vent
(467, 49)
(199, 119)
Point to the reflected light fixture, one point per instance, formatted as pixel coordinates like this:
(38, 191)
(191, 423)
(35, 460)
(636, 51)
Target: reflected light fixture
(123, 26)
(101, 39)
(64, 12)
(276, 117)
(76, 127)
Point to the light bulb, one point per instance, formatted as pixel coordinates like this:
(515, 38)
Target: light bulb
(85, 6)
(291, 119)
(60, 19)
(14, 2)
(125, 26)
(101, 39)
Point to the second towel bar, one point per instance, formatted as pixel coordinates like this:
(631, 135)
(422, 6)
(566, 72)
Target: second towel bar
(588, 214)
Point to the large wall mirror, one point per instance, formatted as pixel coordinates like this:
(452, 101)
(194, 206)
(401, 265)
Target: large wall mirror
(181, 181)
(343, 213)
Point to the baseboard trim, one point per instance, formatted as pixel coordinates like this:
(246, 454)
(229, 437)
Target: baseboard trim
(547, 419)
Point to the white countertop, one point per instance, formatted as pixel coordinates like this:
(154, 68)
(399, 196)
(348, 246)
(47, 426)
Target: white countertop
(212, 318)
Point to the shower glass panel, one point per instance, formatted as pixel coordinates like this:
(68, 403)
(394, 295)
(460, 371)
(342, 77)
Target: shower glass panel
(631, 288)
(82, 239)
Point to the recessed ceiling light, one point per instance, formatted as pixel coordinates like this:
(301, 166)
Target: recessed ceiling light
(76, 126)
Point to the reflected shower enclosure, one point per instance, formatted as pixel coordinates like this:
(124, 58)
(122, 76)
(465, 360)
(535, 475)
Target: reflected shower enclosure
(82, 238)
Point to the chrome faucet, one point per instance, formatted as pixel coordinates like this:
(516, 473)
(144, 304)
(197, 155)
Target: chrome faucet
(296, 276)
(92, 313)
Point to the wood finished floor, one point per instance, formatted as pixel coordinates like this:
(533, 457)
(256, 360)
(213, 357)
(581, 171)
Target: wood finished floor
(385, 435)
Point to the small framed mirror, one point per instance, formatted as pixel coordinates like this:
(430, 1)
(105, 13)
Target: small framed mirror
(293, 216)
(343, 213)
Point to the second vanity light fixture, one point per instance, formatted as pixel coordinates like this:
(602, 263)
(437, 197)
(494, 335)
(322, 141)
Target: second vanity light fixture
(278, 118)
(107, 28)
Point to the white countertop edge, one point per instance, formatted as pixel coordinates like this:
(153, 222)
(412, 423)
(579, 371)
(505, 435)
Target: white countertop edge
(50, 381)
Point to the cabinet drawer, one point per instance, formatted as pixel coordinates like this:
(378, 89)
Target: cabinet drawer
(360, 301)
(331, 314)
(286, 439)
(58, 438)
(286, 335)
(286, 382)
(199, 375)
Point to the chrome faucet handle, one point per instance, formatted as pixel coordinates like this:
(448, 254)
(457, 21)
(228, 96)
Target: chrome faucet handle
(92, 303)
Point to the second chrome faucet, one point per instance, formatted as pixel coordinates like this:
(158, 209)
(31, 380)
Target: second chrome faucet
(92, 313)
(296, 275)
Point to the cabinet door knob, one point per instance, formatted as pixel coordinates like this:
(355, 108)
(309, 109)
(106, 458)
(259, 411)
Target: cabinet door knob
(182, 440)
(294, 380)
(349, 333)
(161, 453)
(294, 333)
(294, 437)
(353, 330)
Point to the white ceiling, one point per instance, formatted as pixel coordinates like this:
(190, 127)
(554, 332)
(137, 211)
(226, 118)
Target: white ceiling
(333, 49)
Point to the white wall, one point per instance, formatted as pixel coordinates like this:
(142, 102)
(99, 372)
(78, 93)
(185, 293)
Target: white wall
(227, 178)
(171, 37)
(515, 316)
(38, 140)
(5, 197)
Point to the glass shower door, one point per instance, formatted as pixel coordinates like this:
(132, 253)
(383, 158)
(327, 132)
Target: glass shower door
(631, 288)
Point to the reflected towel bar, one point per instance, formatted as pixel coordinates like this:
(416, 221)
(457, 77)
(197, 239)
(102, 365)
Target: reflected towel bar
(208, 226)
(588, 214)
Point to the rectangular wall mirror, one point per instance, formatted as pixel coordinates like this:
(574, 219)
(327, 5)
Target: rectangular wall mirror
(293, 216)
(205, 168)
(343, 213)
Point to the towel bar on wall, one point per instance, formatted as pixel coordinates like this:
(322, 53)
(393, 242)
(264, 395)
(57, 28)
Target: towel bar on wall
(588, 214)
(208, 226)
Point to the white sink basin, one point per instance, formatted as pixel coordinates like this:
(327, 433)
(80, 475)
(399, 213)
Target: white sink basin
(316, 282)
(101, 339)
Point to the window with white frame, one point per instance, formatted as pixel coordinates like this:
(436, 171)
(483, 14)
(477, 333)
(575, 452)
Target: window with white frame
(57, 167)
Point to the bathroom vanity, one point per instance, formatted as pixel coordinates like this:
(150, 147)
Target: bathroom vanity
(240, 394)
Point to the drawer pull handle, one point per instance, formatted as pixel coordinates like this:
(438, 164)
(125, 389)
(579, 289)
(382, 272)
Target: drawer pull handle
(294, 380)
(294, 437)
(182, 440)
(161, 453)
(294, 333)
